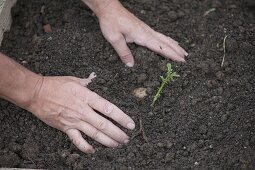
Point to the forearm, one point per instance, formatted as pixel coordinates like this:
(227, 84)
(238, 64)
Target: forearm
(97, 6)
(18, 85)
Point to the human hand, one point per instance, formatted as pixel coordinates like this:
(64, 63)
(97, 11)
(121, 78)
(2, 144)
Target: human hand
(120, 27)
(64, 103)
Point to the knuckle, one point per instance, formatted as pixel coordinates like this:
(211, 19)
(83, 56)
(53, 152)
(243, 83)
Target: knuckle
(94, 95)
(122, 119)
(108, 108)
(102, 125)
(126, 56)
(115, 39)
(95, 135)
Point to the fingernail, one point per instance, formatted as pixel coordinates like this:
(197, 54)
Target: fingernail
(186, 54)
(182, 60)
(92, 151)
(131, 126)
(126, 141)
(130, 64)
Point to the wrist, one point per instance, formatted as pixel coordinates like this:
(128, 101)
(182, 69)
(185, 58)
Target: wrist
(99, 7)
(23, 96)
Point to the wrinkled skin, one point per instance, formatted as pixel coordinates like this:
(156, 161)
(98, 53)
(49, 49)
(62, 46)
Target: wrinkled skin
(64, 103)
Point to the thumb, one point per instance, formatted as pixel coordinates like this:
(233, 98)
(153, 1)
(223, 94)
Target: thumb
(123, 51)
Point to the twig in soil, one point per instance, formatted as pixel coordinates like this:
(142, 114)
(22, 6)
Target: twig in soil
(141, 131)
(224, 48)
(209, 11)
(170, 75)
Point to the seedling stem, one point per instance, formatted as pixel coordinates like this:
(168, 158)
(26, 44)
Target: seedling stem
(170, 75)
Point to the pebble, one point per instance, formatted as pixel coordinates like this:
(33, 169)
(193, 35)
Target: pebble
(224, 118)
(232, 45)
(169, 145)
(202, 129)
(216, 4)
(173, 16)
(65, 153)
(211, 83)
(47, 28)
(151, 83)
(142, 77)
(147, 149)
(220, 75)
(220, 90)
(169, 157)
(140, 92)
(203, 66)
(150, 113)
(72, 158)
(161, 145)
(112, 58)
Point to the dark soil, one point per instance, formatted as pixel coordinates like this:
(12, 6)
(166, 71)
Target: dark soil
(204, 120)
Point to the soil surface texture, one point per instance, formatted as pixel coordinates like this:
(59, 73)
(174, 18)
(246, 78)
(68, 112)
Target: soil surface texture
(205, 119)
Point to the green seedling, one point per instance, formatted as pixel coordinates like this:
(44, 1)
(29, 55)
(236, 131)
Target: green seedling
(170, 75)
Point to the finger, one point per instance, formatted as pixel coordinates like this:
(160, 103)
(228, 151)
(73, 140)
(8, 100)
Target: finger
(104, 125)
(110, 110)
(172, 43)
(77, 139)
(83, 81)
(96, 134)
(120, 46)
(161, 48)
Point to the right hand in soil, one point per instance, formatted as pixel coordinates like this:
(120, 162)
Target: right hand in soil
(64, 103)
(120, 27)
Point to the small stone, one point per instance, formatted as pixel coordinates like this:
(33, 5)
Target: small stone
(36, 40)
(160, 155)
(151, 83)
(216, 4)
(71, 159)
(196, 163)
(193, 146)
(160, 145)
(181, 14)
(65, 153)
(24, 62)
(143, 12)
(169, 145)
(203, 66)
(211, 83)
(140, 92)
(232, 45)
(202, 129)
(224, 118)
(220, 90)
(150, 113)
(173, 16)
(169, 157)
(141, 78)
(47, 28)
(112, 58)
(220, 75)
